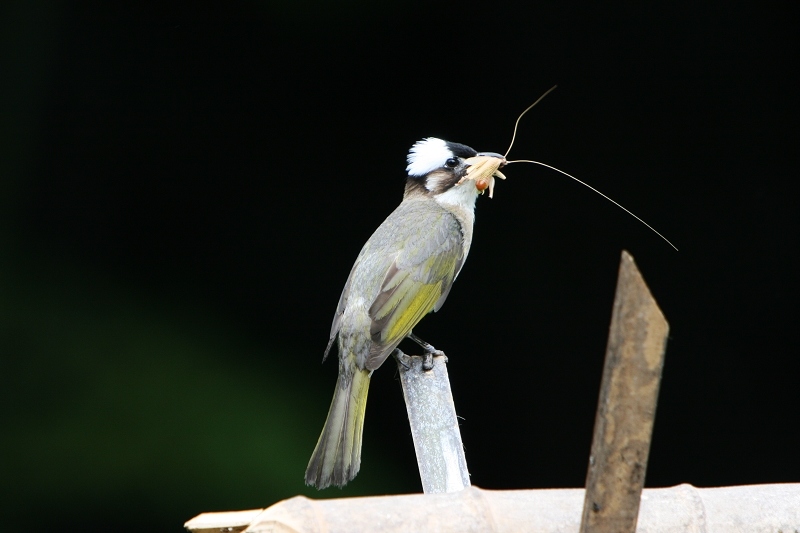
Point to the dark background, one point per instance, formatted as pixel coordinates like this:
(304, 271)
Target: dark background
(184, 189)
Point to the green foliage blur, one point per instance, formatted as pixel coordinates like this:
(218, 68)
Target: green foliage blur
(117, 409)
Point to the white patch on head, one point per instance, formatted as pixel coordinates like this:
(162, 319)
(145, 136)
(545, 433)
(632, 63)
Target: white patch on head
(427, 155)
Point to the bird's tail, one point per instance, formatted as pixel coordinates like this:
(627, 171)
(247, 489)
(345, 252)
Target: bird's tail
(337, 457)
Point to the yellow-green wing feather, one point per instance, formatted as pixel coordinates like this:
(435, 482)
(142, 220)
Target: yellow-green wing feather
(421, 273)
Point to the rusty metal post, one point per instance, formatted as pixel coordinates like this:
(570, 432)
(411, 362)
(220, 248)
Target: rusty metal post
(627, 406)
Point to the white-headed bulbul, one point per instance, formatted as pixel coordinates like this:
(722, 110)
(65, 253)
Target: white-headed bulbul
(404, 271)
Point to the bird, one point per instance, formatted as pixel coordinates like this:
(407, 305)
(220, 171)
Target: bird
(404, 271)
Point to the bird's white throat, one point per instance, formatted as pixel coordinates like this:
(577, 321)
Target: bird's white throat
(460, 197)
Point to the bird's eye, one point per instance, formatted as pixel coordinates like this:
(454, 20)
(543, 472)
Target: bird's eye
(451, 163)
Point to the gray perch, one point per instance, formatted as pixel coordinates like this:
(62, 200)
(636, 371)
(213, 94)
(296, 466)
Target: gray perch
(434, 426)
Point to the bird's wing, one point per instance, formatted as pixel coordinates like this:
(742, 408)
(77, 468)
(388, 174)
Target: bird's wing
(443, 297)
(423, 269)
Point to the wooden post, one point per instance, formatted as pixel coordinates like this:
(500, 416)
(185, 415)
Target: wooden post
(627, 406)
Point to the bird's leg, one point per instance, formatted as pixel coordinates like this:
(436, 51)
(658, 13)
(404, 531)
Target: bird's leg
(430, 351)
(402, 358)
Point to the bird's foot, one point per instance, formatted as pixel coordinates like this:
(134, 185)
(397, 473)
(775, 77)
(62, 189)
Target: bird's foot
(403, 359)
(430, 352)
(427, 359)
(428, 347)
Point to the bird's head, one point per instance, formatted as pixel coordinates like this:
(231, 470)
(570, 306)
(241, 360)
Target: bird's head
(451, 172)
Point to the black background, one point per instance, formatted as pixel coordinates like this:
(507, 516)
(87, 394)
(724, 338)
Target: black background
(185, 189)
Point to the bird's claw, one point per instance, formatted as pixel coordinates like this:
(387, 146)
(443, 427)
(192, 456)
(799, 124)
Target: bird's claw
(427, 359)
(402, 359)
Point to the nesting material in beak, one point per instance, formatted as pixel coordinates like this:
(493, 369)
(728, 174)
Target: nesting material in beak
(484, 169)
